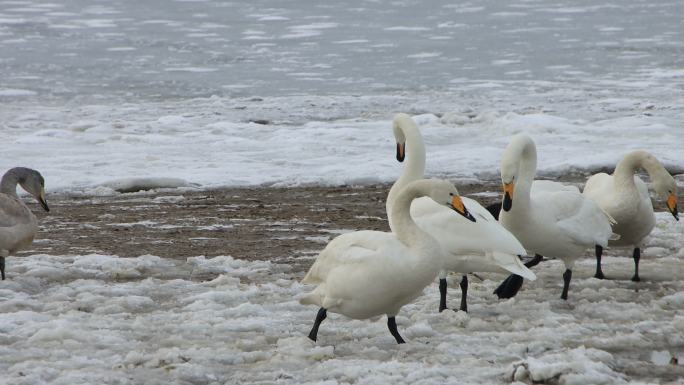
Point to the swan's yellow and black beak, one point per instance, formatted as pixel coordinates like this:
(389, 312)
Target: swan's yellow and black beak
(401, 151)
(508, 196)
(42, 201)
(672, 205)
(459, 207)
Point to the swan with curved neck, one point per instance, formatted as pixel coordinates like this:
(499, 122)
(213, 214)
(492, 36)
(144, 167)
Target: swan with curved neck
(472, 244)
(365, 274)
(549, 218)
(18, 225)
(625, 197)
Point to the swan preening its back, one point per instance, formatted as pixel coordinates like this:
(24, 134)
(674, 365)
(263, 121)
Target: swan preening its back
(549, 218)
(18, 225)
(480, 244)
(625, 197)
(364, 274)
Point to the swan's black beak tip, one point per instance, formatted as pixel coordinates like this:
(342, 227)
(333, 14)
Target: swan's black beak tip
(466, 214)
(507, 202)
(470, 217)
(44, 204)
(401, 151)
(676, 215)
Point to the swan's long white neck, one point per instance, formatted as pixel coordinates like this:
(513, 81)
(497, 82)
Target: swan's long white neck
(414, 167)
(401, 223)
(623, 177)
(523, 153)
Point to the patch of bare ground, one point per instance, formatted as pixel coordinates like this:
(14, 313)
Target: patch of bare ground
(285, 225)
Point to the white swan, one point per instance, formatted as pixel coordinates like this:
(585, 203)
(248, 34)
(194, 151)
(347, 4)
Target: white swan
(364, 274)
(549, 218)
(480, 246)
(625, 197)
(18, 225)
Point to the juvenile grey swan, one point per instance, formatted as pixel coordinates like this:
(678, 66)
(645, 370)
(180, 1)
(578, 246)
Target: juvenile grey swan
(18, 225)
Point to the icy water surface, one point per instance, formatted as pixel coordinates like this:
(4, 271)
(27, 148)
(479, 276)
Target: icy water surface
(162, 49)
(303, 92)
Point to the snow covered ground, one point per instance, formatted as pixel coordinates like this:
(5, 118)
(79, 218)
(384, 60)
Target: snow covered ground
(102, 319)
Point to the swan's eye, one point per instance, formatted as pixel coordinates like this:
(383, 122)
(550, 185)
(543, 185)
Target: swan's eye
(451, 194)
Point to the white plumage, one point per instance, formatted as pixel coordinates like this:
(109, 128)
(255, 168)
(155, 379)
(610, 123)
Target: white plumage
(482, 246)
(365, 274)
(549, 218)
(625, 197)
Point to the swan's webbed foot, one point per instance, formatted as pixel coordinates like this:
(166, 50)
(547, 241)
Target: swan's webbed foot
(637, 257)
(511, 285)
(599, 272)
(534, 261)
(392, 326)
(566, 283)
(322, 313)
(2, 267)
(442, 294)
(464, 293)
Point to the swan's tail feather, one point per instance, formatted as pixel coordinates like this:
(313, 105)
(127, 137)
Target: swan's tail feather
(513, 264)
(614, 237)
(312, 277)
(312, 298)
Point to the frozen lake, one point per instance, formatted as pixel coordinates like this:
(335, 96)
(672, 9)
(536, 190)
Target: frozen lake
(156, 88)
(134, 51)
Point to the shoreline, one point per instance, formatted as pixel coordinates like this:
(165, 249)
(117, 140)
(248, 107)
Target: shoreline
(281, 224)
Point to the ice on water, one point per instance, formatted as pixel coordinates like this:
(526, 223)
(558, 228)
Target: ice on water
(152, 89)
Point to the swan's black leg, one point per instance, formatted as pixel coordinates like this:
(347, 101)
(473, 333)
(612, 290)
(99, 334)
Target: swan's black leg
(566, 283)
(534, 261)
(392, 325)
(322, 313)
(637, 256)
(511, 285)
(2, 267)
(464, 293)
(442, 294)
(599, 272)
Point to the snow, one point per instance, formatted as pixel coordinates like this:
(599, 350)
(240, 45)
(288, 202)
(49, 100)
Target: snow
(143, 146)
(139, 184)
(103, 319)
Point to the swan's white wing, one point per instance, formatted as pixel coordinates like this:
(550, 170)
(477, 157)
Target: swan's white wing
(550, 186)
(477, 210)
(578, 217)
(359, 247)
(600, 189)
(458, 235)
(462, 238)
